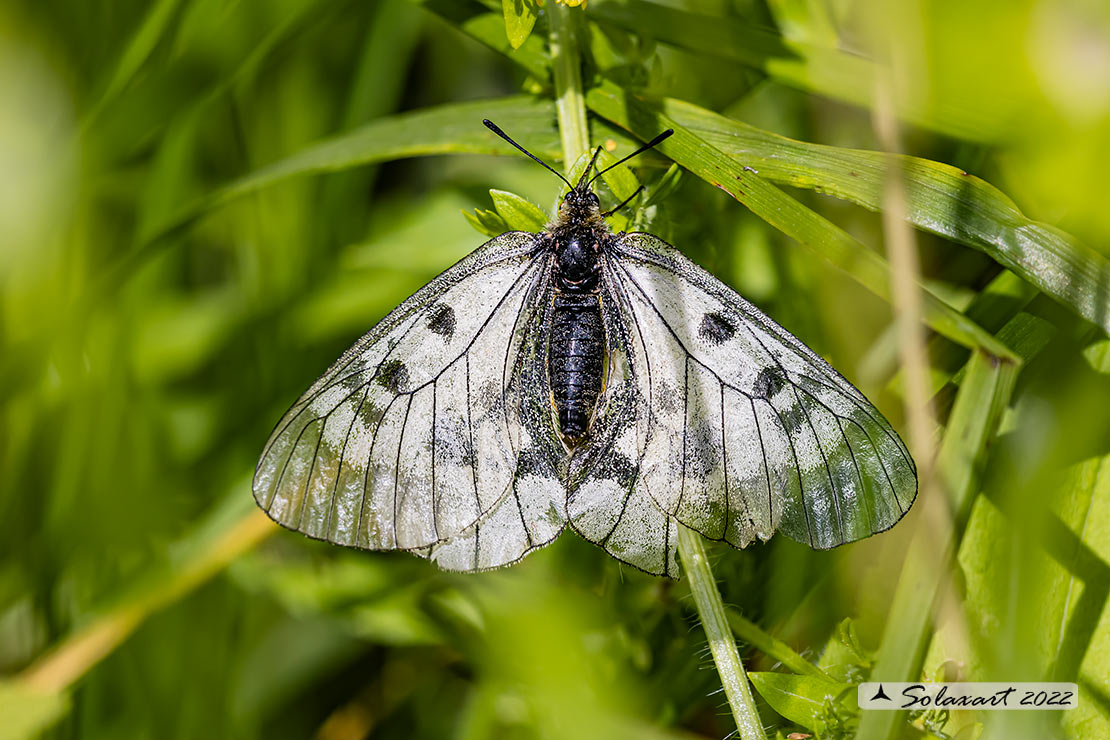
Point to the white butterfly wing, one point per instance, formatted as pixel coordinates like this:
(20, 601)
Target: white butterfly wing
(415, 433)
(741, 430)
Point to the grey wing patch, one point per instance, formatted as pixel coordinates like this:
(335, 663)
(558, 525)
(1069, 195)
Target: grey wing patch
(745, 430)
(382, 452)
(608, 502)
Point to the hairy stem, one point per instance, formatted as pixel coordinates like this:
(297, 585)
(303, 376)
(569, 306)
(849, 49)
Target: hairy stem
(570, 100)
(711, 611)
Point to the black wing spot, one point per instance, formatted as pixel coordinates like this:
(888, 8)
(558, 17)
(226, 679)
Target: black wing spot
(715, 328)
(393, 375)
(442, 321)
(768, 382)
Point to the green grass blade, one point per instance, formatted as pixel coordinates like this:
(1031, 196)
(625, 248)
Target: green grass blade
(780, 210)
(940, 199)
(447, 129)
(149, 33)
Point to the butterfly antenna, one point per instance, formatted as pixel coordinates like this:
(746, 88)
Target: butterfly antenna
(611, 211)
(493, 127)
(582, 184)
(654, 142)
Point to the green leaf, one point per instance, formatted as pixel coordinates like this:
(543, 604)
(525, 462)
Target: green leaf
(940, 199)
(803, 700)
(486, 222)
(453, 128)
(448, 129)
(520, 17)
(518, 214)
(665, 186)
(27, 712)
(843, 658)
(620, 179)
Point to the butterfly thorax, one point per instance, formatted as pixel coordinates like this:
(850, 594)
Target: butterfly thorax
(577, 350)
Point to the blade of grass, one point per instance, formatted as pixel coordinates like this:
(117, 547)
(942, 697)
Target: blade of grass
(941, 199)
(448, 129)
(781, 211)
(711, 611)
(146, 37)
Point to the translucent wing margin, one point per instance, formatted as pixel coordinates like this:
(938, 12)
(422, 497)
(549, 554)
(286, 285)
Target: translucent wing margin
(741, 430)
(415, 433)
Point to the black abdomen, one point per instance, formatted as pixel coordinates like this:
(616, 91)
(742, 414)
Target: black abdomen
(575, 360)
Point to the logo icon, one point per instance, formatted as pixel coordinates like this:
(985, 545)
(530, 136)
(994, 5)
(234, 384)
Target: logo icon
(880, 694)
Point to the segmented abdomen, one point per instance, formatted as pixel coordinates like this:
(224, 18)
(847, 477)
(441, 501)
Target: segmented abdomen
(575, 359)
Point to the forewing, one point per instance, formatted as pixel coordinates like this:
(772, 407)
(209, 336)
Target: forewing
(415, 433)
(745, 430)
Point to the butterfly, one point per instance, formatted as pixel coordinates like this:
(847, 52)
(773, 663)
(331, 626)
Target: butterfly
(587, 378)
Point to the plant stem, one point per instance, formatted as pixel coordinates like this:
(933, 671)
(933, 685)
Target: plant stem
(570, 106)
(711, 611)
(570, 101)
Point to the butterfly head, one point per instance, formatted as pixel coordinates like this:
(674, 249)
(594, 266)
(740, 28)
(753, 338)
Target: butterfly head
(580, 207)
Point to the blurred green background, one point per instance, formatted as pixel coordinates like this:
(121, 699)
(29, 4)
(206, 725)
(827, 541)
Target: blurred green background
(203, 202)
